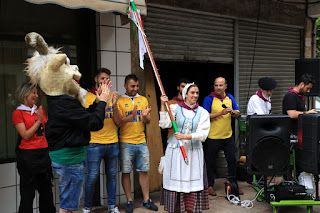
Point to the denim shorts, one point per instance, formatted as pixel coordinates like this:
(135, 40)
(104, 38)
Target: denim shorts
(70, 179)
(131, 154)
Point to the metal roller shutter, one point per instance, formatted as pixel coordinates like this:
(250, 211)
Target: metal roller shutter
(277, 47)
(177, 35)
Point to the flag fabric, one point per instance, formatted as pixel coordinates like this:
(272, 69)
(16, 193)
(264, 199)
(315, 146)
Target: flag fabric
(134, 15)
(142, 47)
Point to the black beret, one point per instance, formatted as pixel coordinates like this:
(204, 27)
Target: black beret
(267, 83)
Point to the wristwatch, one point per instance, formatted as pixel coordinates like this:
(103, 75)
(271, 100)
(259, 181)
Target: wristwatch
(115, 106)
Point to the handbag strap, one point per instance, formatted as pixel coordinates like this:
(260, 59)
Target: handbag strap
(19, 137)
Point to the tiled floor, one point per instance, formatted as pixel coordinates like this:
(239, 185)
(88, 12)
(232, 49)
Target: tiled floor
(219, 204)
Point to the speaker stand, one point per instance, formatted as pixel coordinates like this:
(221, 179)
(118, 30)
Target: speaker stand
(265, 195)
(266, 192)
(316, 178)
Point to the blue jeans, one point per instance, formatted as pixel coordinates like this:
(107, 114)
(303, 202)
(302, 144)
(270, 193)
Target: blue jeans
(95, 153)
(70, 179)
(134, 153)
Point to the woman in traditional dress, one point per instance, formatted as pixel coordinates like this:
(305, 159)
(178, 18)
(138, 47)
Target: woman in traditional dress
(185, 187)
(33, 161)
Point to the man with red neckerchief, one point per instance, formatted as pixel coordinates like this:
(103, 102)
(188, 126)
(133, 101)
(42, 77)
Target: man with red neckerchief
(293, 103)
(221, 107)
(178, 98)
(260, 102)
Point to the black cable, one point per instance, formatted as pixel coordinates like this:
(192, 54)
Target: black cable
(254, 49)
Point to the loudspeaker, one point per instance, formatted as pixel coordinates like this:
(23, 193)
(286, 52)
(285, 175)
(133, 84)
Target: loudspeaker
(308, 66)
(307, 154)
(268, 145)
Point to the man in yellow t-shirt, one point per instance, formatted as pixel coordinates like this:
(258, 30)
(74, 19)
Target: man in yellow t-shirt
(103, 145)
(221, 107)
(135, 113)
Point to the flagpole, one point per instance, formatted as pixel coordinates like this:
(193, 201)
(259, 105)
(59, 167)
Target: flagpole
(156, 73)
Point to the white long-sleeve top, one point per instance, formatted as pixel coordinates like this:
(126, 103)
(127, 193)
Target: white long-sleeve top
(258, 106)
(203, 128)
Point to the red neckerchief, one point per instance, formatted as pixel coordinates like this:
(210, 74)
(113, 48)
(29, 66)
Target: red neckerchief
(299, 95)
(213, 94)
(184, 105)
(259, 94)
(93, 90)
(177, 99)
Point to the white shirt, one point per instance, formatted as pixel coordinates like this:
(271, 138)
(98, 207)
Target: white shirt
(258, 106)
(203, 127)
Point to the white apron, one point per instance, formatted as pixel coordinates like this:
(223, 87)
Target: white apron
(180, 177)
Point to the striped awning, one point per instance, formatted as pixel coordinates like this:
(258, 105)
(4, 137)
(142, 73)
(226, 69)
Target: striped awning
(97, 5)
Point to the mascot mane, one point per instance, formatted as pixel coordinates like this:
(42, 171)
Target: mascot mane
(40, 57)
(37, 63)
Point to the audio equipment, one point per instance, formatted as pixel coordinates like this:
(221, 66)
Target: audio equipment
(307, 154)
(268, 144)
(289, 190)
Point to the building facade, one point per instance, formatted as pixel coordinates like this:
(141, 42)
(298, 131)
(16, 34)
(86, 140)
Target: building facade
(241, 41)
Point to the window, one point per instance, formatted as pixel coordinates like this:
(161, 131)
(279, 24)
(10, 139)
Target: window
(13, 55)
(73, 30)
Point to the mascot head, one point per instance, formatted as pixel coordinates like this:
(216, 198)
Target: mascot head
(51, 70)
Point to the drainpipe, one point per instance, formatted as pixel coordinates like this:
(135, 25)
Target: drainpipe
(313, 35)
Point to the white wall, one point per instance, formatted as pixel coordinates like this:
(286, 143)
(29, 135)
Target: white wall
(114, 48)
(9, 191)
(114, 54)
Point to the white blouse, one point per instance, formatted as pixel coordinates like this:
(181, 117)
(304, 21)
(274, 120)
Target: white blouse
(203, 128)
(258, 106)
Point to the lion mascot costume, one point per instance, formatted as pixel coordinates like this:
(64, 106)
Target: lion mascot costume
(69, 123)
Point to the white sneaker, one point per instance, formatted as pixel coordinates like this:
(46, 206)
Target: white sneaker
(114, 210)
(86, 211)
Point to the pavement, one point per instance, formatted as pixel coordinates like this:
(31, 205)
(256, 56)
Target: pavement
(220, 204)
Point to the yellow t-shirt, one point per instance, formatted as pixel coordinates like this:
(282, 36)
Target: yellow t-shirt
(133, 131)
(220, 127)
(108, 134)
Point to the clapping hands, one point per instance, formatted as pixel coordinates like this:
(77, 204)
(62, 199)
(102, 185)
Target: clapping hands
(103, 93)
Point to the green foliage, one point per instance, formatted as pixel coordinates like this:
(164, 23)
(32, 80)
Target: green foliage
(318, 38)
